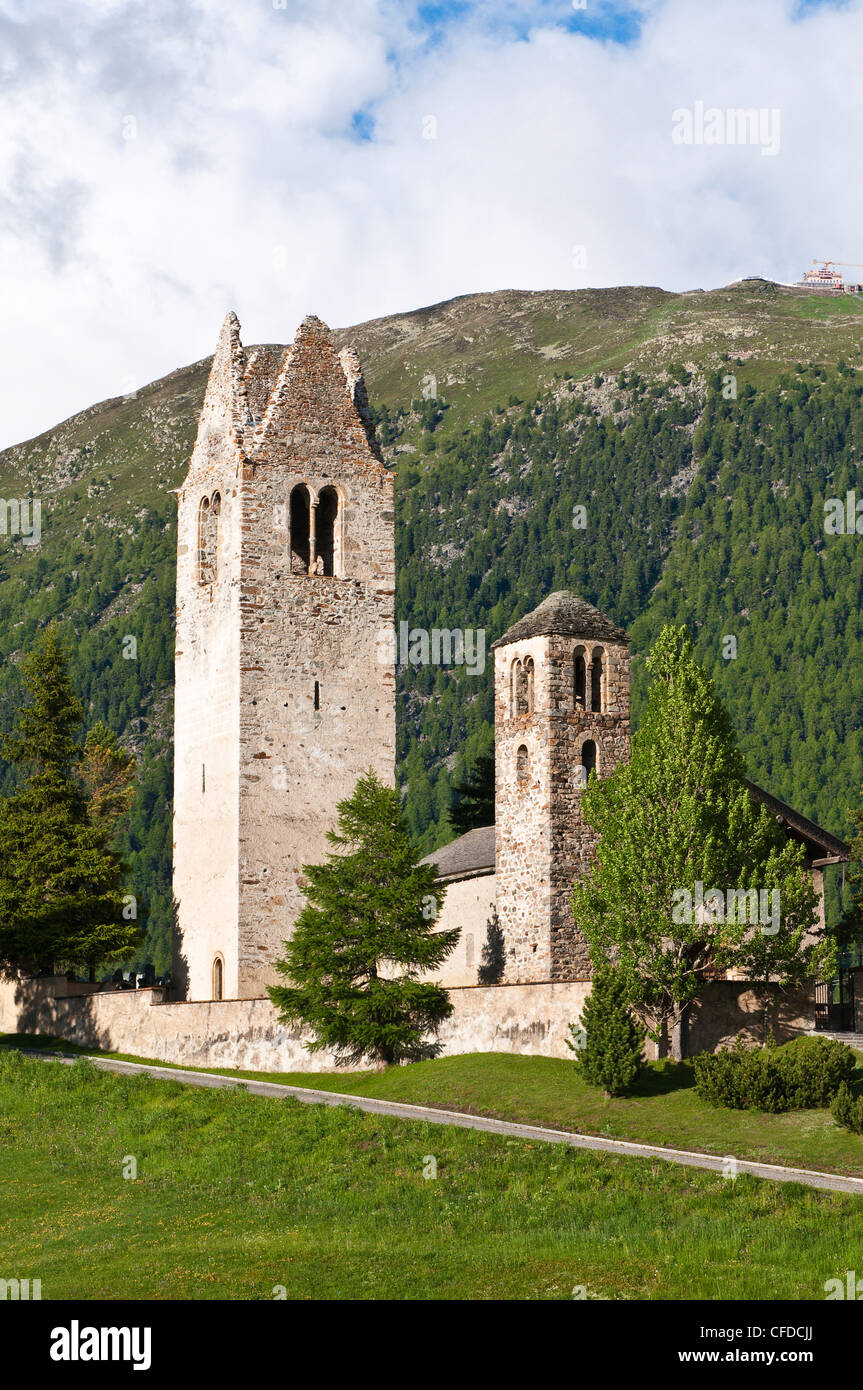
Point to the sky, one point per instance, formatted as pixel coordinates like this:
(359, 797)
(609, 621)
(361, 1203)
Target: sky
(162, 161)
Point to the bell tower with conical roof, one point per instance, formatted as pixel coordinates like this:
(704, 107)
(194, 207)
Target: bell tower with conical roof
(561, 713)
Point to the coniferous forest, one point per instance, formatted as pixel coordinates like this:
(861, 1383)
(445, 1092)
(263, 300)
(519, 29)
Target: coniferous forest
(662, 497)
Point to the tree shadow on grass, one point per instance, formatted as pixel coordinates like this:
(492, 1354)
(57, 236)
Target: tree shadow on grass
(663, 1078)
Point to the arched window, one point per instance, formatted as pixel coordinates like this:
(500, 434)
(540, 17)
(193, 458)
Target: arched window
(325, 530)
(528, 684)
(524, 686)
(213, 534)
(579, 682)
(588, 758)
(522, 763)
(204, 564)
(218, 977)
(300, 532)
(596, 681)
(514, 678)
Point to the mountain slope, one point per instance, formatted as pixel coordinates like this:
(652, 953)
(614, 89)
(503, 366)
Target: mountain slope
(502, 414)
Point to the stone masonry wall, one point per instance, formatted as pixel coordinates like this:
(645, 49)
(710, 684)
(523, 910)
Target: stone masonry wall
(542, 842)
(245, 1034)
(573, 843)
(206, 700)
(285, 684)
(522, 820)
(317, 687)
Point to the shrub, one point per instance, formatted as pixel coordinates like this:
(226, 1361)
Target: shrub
(847, 1109)
(609, 1043)
(801, 1075)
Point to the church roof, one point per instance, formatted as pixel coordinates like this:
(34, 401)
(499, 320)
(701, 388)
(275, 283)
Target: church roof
(567, 614)
(820, 843)
(470, 854)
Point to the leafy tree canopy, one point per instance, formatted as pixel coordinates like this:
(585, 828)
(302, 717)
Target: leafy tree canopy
(687, 860)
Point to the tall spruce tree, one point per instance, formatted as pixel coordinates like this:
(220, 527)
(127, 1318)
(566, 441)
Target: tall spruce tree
(60, 875)
(364, 937)
(677, 816)
(475, 804)
(608, 1046)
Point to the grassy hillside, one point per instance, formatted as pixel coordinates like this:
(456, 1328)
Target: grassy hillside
(663, 1109)
(700, 509)
(237, 1197)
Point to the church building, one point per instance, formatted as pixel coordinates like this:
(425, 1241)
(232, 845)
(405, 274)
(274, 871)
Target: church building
(285, 693)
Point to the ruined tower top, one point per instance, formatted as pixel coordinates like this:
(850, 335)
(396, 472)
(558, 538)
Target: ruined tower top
(260, 400)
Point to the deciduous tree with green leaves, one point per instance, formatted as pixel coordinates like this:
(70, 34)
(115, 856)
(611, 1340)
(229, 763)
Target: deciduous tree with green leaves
(677, 819)
(364, 937)
(60, 872)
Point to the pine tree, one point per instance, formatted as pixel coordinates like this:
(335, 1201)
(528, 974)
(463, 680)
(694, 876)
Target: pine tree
(59, 876)
(608, 1045)
(364, 937)
(475, 805)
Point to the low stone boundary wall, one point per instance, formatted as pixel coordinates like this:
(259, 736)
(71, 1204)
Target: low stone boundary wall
(732, 1008)
(528, 1019)
(246, 1033)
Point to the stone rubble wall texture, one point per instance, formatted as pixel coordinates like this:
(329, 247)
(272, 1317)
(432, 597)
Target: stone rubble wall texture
(285, 682)
(542, 841)
(245, 1034)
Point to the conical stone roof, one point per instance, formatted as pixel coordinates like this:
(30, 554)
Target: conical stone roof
(566, 614)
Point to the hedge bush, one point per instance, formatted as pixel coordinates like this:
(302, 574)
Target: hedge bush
(847, 1109)
(800, 1075)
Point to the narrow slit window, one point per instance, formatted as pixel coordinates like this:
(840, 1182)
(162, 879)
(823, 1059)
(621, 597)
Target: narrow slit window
(588, 758)
(204, 576)
(213, 537)
(596, 681)
(328, 512)
(317, 695)
(579, 678)
(203, 777)
(522, 762)
(301, 550)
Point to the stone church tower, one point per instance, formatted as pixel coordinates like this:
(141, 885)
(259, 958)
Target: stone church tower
(561, 711)
(284, 679)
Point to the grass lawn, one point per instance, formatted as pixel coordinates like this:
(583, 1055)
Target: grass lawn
(542, 1090)
(236, 1195)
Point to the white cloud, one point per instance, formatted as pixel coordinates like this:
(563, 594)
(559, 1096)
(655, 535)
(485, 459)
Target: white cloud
(245, 186)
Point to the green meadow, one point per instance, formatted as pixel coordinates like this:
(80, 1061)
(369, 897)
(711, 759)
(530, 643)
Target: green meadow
(137, 1188)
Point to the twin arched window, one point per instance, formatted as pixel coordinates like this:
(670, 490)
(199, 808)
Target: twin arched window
(587, 681)
(209, 513)
(315, 537)
(521, 686)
